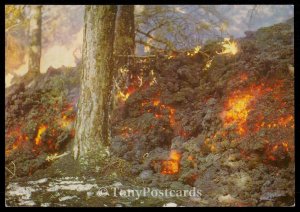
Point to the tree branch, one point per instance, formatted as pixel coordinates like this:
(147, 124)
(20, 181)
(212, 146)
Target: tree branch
(153, 38)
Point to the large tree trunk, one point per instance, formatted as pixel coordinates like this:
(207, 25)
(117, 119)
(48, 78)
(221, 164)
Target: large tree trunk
(92, 123)
(35, 32)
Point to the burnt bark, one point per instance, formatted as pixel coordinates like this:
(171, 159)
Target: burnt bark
(92, 124)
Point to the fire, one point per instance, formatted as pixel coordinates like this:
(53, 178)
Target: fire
(125, 95)
(194, 52)
(229, 47)
(156, 102)
(20, 138)
(273, 149)
(41, 130)
(238, 111)
(171, 166)
(208, 64)
(66, 122)
(238, 106)
(283, 121)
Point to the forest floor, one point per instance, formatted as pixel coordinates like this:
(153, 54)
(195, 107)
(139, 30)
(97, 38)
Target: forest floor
(220, 123)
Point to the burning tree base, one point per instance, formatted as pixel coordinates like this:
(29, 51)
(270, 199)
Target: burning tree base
(223, 124)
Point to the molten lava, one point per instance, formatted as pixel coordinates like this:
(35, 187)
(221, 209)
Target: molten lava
(20, 138)
(41, 130)
(171, 166)
(238, 111)
(238, 106)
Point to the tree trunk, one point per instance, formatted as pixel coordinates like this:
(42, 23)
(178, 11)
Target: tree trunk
(124, 45)
(35, 32)
(92, 123)
(125, 33)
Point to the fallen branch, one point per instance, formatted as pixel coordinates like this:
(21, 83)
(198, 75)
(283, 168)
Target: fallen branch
(135, 56)
(55, 156)
(13, 173)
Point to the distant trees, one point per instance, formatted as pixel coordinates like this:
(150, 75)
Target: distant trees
(35, 33)
(177, 27)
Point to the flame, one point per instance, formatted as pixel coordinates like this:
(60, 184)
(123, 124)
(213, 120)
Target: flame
(237, 107)
(195, 51)
(66, 121)
(284, 121)
(41, 130)
(208, 64)
(123, 96)
(171, 166)
(20, 139)
(156, 102)
(274, 148)
(229, 47)
(237, 111)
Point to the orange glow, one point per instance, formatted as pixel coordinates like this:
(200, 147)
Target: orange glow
(279, 146)
(237, 111)
(41, 130)
(284, 121)
(158, 116)
(171, 166)
(125, 95)
(20, 139)
(238, 106)
(172, 116)
(156, 102)
(243, 77)
(66, 121)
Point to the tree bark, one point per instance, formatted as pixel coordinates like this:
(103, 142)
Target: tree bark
(35, 32)
(92, 123)
(125, 33)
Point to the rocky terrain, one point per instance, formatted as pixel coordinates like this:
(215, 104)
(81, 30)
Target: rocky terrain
(218, 121)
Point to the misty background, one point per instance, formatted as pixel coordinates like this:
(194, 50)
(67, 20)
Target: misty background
(62, 29)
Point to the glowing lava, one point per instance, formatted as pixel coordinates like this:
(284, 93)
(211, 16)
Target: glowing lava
(171, 166)
(20, 139)
(238, 111)
(238, 106)
(41, 130)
